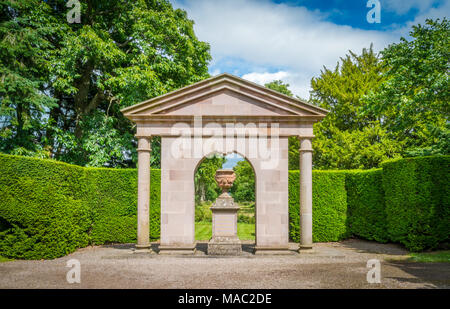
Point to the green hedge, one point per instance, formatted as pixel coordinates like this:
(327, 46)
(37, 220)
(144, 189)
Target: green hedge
(48, 208)
(329, 206)
(42, 204)
(417, 201)
(365, 202)
(113, 202)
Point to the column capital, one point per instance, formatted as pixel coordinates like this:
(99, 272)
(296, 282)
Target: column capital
(149, 137)
(310, 137)
(144, 143)
(306, 143)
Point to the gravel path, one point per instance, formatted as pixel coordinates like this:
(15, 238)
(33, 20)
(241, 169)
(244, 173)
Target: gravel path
(333, 265)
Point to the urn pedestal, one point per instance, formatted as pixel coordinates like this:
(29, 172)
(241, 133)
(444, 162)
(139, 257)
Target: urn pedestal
(224, 239)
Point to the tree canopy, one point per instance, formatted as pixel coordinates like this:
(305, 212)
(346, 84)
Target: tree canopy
(63, 85)
(413, 103)
(382, 106)
(350, 137)
(206, 188)
(243, 189)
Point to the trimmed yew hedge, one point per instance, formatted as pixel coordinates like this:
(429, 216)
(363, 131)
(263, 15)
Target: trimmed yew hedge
(406, 201)
(365, 203)
(329, 206)
(48, 208)
(417, 196)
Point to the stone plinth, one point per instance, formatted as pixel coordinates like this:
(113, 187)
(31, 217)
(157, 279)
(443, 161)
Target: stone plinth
(224, 245)
(224, 239)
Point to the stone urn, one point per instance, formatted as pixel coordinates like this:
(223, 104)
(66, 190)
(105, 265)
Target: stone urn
(225, 179)
(224, 239)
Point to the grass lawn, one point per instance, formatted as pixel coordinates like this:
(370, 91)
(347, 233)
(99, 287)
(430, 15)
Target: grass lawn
(425, 257)
(3, 259)
(203, 231)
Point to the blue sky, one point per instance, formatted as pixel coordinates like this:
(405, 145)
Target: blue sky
(291, 40)
(232, 160)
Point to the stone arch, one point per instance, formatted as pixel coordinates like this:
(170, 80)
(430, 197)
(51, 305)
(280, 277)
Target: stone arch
(254, 172)
(178, 191)
(222, 100)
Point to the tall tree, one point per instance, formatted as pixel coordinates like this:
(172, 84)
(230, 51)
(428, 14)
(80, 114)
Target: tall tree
(24, 69)
(121, 53)
(280, 86)
(414, 100)
(206, 188)
(350, 136)
(243, 189)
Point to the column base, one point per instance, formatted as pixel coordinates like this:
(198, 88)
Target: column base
(305, 249)
(143, 249)
(282, 250)
(177, 249)
(223, 245)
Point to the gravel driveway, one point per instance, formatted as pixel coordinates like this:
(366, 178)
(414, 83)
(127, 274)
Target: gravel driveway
(333, 265)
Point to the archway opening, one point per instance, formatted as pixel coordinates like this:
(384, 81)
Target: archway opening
(243, 192)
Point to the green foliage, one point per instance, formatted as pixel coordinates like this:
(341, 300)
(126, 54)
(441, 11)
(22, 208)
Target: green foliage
(340, 90)
(243, 218)
(329, 206)
(431, 257)
(441, 147)
(202, 212)
(42, 201)
(112, 201)
(63, 85)
(352, 149)
(24, 66)
(365, 201)
(243, 189)
(417, 195)
(48, 208)
(3, 259)
(206, 188)
(407, 201)
(382, 106)
(280, 86)
(350, 137)
(414, 99)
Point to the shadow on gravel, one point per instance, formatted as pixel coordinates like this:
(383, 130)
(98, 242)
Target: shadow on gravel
(433, 275)
(154, 246)
(246, 248)
(374, 247)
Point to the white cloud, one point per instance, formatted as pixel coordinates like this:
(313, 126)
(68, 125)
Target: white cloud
(298, 83)
(433, 13)
(260, 39)
(266, 77)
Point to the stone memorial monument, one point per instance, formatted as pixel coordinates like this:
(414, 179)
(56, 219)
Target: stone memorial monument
(224, 239)
(183, 119)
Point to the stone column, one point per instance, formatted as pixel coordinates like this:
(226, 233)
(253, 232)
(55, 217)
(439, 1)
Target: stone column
(305, 193)
(143, 207)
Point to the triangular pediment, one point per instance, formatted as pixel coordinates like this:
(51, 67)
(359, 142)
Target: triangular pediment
(223, 95)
